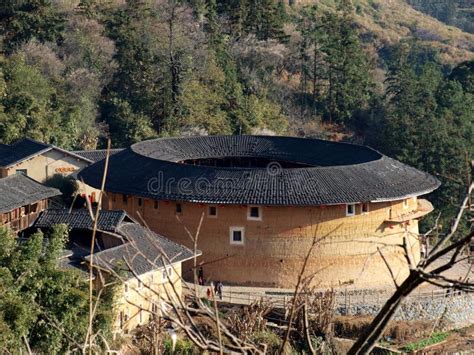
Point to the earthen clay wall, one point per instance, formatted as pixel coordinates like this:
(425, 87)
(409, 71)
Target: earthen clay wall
(44, 166)
(138, 302)
(274, 247)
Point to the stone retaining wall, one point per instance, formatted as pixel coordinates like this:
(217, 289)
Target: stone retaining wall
(446, 310)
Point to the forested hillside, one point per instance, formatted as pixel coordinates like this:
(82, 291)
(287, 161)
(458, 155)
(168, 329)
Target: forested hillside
(386, 22)
(459, 13)
(374, 72)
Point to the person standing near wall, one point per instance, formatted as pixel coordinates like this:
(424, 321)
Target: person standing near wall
(201, 276)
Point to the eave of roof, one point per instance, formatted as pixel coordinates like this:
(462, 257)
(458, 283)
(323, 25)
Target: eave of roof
(97, 154)
(150, 169)
(19, 190)
(142, 249)
(37, 148)
(80, 219)
(141, 253)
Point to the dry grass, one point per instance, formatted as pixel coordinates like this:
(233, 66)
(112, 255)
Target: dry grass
(389, 21)
(399, 331)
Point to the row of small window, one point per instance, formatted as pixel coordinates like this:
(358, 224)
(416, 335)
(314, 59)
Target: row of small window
(140, 201)
(364, 208)
(351, 208)
(124, 315)
(254, 212)
(167, 274)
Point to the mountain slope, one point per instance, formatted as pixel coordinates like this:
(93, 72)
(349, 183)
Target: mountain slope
(389, 21)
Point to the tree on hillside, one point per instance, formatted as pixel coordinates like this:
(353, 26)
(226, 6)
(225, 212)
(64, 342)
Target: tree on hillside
(29, 104)
(125, 126)
(347, 68)
(427, 123)
(21, 21)
(334, 62)
(155, 52)
(136, 83)
(42, 306)
(239, 97)
(231, 87)
(464, 74)
(452, 12)
(313, 70)
(203, 100)
(264, 19)
(62, 74)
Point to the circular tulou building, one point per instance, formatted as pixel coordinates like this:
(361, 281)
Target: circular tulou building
(263, 203)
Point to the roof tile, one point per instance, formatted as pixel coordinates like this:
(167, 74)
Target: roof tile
(335, 172)
(19, 190)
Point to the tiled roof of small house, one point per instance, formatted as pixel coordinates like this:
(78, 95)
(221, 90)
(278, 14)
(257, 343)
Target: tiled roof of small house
(27, 148)
(324, 172)
(142, 252)
(142, 249)
(97, 154)
(81, 219)
(19, 190)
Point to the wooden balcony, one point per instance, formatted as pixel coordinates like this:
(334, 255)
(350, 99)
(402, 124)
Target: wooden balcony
(23, 222)
(424, 207)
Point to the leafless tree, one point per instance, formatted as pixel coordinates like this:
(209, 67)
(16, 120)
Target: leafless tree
(451, 246)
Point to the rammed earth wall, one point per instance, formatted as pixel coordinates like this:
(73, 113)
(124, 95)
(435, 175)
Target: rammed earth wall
(274, 247)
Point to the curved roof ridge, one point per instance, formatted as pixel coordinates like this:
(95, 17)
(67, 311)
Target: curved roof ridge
(359, 173)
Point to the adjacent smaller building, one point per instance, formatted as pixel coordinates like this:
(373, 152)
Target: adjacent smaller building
(41, 162)
(38, 160)
(148, 264)
(21, 201)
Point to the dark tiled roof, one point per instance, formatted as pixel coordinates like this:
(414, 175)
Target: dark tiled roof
(81, 219)
(144, 251)
(21, 150)
(141, 249)
(96, 155)
(25, 149)
(337, 173)
(19, 190)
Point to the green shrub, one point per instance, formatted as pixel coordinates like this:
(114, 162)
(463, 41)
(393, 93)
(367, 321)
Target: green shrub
(269, 338)
(183, 346)
(433, 339)
(66, 184)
